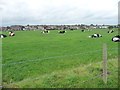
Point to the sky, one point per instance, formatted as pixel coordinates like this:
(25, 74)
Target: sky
(23, 12)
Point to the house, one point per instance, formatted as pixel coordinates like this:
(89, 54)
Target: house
(16, 27)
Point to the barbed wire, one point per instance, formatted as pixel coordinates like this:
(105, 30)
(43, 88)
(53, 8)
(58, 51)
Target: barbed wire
(51, 57)
(98, 76)
(93, 77)
(90, 79)
(34, 60)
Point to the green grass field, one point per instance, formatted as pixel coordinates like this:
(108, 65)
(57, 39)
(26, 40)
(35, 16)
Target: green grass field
(33, 59)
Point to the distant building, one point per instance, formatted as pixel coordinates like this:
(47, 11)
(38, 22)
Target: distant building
(103, 26)
(16, 27)
(53, 27)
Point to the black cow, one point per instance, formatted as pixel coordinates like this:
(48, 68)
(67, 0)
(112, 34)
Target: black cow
(95, 35)
(116, 38)
(3, 36)
(62, 32)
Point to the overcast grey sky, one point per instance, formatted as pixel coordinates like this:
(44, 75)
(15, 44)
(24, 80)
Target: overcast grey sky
(58, 12)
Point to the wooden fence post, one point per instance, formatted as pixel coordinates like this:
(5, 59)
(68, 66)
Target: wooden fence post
(105, 63)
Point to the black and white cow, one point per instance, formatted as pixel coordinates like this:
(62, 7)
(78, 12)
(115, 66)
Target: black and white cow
(95, 35)
(3, 36)
(110, 31)
(116, 38)
(61, 32)
(45, 31)
(11, 33)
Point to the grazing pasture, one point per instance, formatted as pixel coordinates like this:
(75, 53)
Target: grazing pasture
(33, 59)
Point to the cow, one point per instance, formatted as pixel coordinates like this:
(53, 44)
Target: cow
(45, 31)
(82, 30)
(3, 36)
(110, 31)
(95, 35)
(116, 38)
(62, 32)
(11, 33)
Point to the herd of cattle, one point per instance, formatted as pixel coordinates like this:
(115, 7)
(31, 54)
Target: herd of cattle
(10, 34)
(114, 39)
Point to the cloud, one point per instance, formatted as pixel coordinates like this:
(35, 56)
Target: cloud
(58, 11)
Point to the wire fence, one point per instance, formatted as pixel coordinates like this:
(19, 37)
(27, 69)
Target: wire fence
(98, 75)
(53, 57)
(92, 78)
